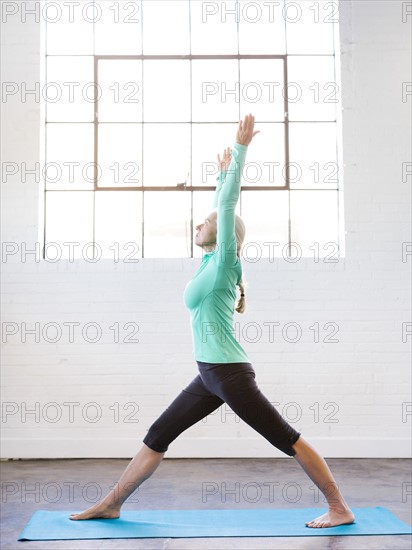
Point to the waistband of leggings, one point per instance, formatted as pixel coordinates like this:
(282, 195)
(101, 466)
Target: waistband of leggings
(204, 365)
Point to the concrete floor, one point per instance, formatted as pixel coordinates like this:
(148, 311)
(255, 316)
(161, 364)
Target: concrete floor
(180, 484)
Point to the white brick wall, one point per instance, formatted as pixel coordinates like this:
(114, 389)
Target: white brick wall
(362, 381)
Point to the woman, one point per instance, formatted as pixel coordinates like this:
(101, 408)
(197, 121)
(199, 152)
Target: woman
(225, 373)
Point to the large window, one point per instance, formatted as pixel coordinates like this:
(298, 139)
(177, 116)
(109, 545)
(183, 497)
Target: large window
(139, 98)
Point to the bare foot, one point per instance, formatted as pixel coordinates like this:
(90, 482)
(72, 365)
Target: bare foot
(332, 518)
(97, 511)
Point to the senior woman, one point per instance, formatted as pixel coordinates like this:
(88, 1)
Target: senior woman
(225, 373)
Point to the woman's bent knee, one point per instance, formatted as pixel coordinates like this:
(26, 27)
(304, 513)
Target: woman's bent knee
(154, 443)
(153, 448)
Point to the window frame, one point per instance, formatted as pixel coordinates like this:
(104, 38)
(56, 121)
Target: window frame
(193, 188)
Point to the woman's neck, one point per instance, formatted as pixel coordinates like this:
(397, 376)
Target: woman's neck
(209, 248)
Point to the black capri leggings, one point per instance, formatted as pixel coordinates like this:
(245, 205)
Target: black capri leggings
(217, 383)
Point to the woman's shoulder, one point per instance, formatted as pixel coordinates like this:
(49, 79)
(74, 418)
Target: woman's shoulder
(227, 266)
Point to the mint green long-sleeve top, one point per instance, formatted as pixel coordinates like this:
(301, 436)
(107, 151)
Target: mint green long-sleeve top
(211, 294)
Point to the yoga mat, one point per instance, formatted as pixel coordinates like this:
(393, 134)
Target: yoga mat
(266, 522)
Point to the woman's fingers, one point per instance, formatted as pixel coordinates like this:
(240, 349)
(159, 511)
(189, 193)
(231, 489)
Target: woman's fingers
(244, 125)
(246, 131)
(248, 124)
(224, 161)
(251, 124)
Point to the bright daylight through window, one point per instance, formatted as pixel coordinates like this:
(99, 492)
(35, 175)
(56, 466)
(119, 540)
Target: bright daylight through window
(139, 98)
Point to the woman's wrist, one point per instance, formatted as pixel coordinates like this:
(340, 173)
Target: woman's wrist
(237, 144)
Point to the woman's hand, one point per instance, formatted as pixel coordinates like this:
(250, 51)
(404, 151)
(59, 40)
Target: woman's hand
(225, 161)
(245, 132)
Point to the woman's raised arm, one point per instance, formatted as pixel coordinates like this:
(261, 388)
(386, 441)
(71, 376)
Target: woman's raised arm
(223, 164)
(229, 195)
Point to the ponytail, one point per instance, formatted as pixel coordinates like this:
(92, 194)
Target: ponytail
(240, 230)
(241, 305)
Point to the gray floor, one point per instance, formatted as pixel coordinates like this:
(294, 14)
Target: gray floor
(181, 484)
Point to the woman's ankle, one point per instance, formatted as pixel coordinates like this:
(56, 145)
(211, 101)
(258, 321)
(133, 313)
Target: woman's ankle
(338, 505)
(112, 501)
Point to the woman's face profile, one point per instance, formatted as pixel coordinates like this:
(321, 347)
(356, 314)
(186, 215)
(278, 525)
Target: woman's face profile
(206, 231)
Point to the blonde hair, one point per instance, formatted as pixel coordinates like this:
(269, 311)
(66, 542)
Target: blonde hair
(240, 230)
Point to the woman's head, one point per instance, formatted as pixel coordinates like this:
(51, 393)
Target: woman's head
(206, 232)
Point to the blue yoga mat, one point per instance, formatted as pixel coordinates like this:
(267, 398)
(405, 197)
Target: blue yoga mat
(267, 522)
